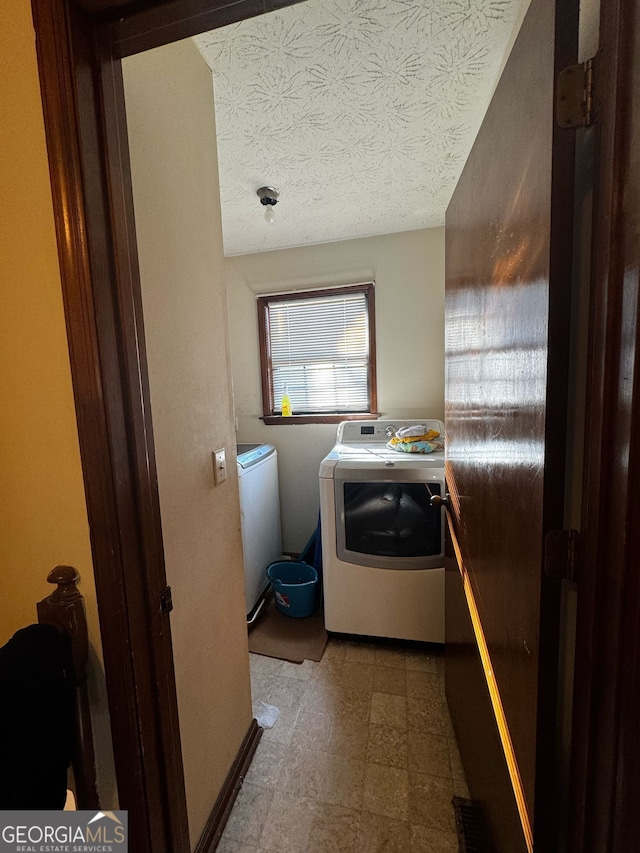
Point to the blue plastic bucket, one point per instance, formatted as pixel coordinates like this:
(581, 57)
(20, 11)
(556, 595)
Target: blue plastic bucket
(294, 587)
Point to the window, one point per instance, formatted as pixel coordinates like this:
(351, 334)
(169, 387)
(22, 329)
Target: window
(321, 345)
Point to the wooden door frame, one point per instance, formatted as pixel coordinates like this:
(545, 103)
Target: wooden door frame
(79, 49)
(106, 348)
(605, 771)
(79, 57)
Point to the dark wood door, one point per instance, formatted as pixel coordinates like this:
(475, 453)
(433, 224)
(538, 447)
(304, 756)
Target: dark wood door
(508, 279)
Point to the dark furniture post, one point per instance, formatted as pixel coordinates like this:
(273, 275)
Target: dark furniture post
(64, 609)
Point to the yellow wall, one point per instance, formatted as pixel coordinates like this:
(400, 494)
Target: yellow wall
(43, 518)
(172, 141)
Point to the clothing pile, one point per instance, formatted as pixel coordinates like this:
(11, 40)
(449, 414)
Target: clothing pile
(36, 719)
(417, 438)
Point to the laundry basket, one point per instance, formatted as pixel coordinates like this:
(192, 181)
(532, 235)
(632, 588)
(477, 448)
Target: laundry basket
(294, 585)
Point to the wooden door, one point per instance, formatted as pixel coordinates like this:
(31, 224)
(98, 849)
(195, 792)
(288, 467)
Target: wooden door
(508, 280)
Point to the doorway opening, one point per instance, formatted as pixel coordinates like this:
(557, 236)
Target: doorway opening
(121, 350)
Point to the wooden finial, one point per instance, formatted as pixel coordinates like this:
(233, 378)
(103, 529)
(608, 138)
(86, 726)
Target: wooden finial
(66, 578)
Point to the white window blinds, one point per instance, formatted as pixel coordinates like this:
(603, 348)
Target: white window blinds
(319, 348)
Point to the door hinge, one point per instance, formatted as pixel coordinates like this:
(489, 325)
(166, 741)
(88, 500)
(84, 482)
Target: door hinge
(561, 554)
(166, 602)
(574, 95)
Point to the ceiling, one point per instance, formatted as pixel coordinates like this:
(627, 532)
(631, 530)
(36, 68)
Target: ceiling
(360, 112)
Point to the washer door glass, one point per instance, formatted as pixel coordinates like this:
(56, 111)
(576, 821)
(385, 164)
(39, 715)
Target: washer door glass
(390, 524)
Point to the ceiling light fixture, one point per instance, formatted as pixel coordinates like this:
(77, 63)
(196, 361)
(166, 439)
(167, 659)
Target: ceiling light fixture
(269, 198)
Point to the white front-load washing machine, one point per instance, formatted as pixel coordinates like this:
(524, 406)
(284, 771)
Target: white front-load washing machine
(382, 540)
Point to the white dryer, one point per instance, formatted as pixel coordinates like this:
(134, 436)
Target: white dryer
(382, 541)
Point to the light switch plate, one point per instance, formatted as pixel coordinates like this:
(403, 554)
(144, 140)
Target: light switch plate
(219, 466)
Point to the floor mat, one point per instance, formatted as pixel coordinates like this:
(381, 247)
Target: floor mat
(286, 638)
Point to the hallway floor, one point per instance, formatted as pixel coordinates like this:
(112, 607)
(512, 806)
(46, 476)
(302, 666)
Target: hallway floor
(362, 758)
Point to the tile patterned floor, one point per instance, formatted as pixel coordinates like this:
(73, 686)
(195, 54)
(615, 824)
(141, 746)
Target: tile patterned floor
(362, 758)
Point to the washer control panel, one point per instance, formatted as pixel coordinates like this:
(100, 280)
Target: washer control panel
(380, 431)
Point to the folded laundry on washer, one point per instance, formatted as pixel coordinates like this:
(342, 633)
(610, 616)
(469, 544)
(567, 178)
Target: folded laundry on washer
(416, 431)
(427, 435)
(416, 438)
(416, 446)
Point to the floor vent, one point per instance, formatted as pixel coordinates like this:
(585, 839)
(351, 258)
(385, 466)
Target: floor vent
(470, 827)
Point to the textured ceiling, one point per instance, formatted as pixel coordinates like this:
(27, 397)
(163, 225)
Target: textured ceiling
(360, 112)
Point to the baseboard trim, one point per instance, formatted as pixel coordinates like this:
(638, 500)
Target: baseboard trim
(226, 798)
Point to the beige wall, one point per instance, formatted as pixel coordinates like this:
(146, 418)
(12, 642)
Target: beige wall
(43, 513)
(408, 269)
(175, 179)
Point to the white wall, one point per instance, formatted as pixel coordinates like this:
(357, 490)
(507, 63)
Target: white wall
(171, 122)
(408, 270)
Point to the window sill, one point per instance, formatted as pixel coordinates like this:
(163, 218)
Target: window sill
(272, 420)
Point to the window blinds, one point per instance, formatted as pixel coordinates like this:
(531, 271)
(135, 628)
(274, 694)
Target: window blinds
(319, 348)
